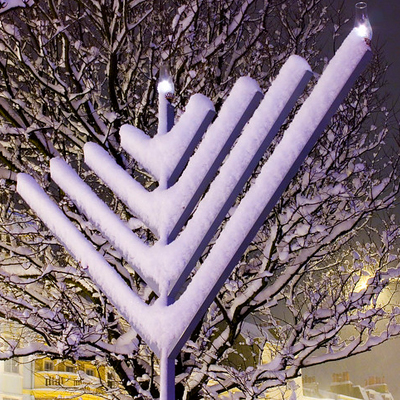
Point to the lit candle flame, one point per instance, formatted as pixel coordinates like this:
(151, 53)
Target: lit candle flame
(165, 84)
(361, 22)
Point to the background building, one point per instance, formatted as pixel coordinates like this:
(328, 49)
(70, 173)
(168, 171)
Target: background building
(45, 379)
(342, 388)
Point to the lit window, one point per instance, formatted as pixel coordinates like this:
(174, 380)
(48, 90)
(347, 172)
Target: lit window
(48, 366)
(11, 366)
(110, 380)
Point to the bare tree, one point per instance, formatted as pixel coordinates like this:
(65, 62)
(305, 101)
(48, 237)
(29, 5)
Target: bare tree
(73, 72)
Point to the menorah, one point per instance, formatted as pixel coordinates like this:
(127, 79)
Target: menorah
(197, 159)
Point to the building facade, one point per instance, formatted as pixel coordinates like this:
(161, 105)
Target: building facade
(46, 379)
(342, 388)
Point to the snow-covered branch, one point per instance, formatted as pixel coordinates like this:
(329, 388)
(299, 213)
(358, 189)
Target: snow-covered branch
(317, 282)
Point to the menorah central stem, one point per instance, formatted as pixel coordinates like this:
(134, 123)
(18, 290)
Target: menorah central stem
(165, 114)
(167, 378)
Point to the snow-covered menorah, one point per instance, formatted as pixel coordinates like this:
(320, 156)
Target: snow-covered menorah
(183, 224)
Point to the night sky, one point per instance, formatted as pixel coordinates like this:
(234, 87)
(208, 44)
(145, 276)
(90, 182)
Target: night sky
(384, 16)
(385, 359)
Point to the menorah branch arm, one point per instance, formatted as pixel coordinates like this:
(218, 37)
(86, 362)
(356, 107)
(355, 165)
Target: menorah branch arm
(131, 192)
(243, 159)
(164, 156)
(105, 277)
(274, 178)
(113, 228)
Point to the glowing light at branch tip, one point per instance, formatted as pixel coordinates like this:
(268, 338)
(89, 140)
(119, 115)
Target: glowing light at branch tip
(362, 24)
(165, 84)
(165, 87)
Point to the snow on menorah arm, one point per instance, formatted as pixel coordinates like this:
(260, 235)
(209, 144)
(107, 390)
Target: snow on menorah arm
(179, 319)
(106, 278)
(250, 147)
(140, 202)
(252, 144)
(161, 154)
(335, 82)
(158, 208)
(202, 167)
(108, 223)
